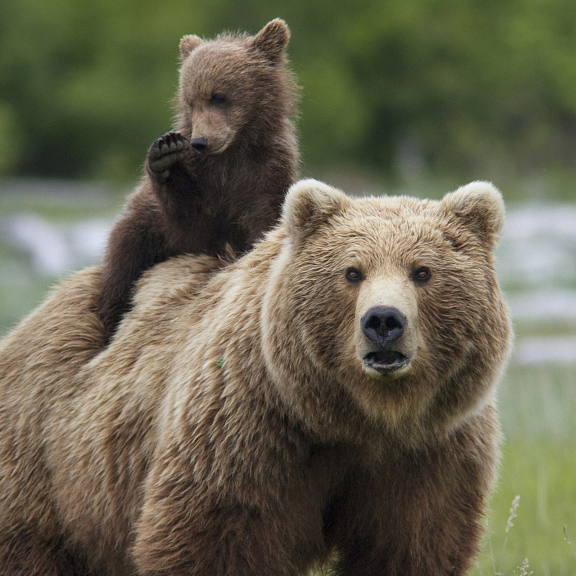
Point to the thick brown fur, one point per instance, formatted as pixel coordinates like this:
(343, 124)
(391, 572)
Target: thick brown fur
(235, 425)
(218, 180)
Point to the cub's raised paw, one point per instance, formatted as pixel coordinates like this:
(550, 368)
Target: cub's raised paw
(167, 151)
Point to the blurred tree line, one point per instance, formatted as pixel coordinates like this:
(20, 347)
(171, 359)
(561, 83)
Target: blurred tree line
(470, 87)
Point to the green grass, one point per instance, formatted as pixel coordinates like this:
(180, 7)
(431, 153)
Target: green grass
(538, 412)
(537, 406)
(543, 475)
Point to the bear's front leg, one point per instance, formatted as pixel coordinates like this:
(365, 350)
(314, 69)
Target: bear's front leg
(169, 167)
(26, 554)
(205, 536)
(417, 513)
(431, 546)
(195, 525)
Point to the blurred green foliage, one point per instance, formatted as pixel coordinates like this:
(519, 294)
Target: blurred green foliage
(474, 88)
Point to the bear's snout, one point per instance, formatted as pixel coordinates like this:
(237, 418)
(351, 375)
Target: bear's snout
(383, 324)
(386, 352)
(200, 144)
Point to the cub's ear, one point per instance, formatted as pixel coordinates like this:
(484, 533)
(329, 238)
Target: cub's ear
(309, 204)
(272, 40)
(481, 208)
(189, 43)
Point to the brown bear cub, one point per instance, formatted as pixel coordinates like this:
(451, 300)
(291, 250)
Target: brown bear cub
(218, 180)
(328, 398)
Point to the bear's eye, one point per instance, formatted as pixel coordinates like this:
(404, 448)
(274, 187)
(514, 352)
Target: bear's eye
(422, 274)
(353, 275)
(218, 98)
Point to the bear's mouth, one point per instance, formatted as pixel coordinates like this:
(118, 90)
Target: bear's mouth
(386, 361)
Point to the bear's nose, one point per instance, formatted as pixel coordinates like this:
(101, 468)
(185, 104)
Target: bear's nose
(383, 324)
(199, 143)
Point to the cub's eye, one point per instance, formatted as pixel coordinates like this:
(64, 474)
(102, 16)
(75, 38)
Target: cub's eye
(422, 274)
(353, 275)
(218, 98)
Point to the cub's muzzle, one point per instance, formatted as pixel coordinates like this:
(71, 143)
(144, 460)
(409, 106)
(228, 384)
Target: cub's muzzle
(200, 144)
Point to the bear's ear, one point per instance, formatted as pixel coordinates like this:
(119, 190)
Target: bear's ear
(272, 40)
(480, 206)
(189, 43)
(308, 204)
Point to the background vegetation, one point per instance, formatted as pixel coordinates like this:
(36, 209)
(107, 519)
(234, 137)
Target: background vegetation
(420, 94)
(467, 88)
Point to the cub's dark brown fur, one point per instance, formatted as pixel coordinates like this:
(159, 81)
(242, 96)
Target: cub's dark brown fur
(220, 177)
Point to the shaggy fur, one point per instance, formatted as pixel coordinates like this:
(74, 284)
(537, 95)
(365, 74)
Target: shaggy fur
(236, 424)
(217, 181)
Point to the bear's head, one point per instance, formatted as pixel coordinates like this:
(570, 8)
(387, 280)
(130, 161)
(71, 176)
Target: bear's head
(234, 89)
(391, 302)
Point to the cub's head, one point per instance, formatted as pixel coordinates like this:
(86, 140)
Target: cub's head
(233, 89)
(393, 300)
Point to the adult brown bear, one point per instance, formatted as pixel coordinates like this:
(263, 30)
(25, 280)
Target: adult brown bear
(327, 396)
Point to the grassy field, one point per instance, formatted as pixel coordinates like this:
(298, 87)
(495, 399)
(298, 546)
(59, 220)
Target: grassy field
(538, 414)
(537, 405)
